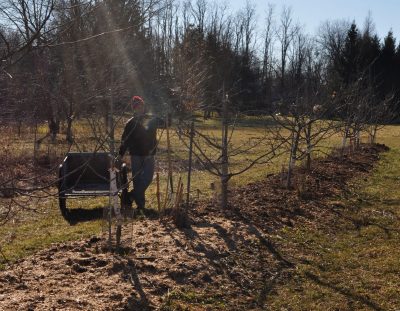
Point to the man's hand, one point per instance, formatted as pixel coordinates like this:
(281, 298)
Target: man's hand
(118, 161)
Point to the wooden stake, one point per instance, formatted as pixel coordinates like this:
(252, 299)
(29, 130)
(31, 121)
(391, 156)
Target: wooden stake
(180, 197)
(166, 196)
(158, 192)
(178, 192)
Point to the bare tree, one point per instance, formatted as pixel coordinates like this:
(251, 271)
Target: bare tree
(285, 33)
(29, 18)
(268, 57)
(199, 11)
(222, 158)
(380, 114)
(304, 113)
(331, 40)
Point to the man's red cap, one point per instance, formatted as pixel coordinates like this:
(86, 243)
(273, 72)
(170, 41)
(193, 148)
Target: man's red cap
(137, 102)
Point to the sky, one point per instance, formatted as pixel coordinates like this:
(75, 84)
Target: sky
(311, 13)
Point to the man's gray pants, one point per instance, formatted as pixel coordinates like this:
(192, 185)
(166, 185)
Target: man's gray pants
(142, 174)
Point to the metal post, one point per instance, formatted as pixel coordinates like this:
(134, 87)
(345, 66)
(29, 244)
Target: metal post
(190, 164)
(114, 204)
(170, 178)
(111, 117)
(113, 184)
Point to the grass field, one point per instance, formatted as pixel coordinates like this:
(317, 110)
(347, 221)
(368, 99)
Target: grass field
(358, 266)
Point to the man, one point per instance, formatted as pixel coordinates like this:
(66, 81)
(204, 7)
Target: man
(140, 139)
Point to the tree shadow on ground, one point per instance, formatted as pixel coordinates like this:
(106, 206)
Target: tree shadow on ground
(213, 255)
(344, 291)
(78, 215)
(134, 302)
(284, 264)
(363, 219)
(192, 235)
(353, 296)
(222, 232)
(264, 240)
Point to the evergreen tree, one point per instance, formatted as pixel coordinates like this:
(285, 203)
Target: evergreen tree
(387, 63)
(370, 51)
(349, 64)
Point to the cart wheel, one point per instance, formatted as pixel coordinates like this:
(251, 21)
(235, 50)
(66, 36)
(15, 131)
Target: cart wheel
(62, 200)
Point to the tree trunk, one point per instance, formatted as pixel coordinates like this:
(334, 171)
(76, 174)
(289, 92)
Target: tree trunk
(373, 134)
(292, 159)
(344, 141)
(224, 154)
(68, 136)
(358, 139)
(309, 146)
(35, 143)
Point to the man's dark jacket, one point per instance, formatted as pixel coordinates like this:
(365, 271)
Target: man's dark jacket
(140, 137)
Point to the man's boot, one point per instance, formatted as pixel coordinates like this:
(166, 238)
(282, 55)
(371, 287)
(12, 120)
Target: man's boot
(127, 201)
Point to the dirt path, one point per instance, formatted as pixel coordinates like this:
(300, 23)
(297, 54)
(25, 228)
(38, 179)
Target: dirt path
(157, 259)
(227, 261)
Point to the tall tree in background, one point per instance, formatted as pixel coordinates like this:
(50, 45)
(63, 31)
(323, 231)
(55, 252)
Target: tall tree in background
(268, 58)
(387, 64)
(285, 33)
(350, 59)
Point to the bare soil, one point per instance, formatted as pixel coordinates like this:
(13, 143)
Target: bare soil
(224, 260)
